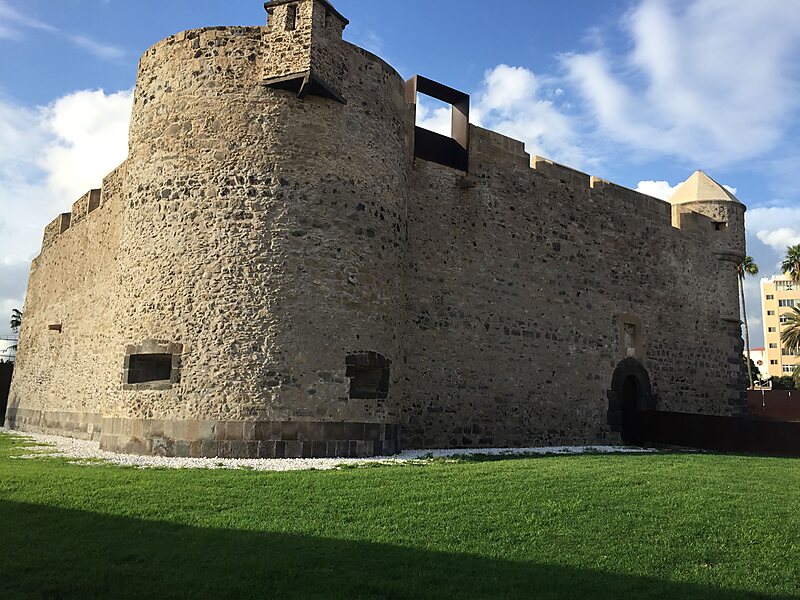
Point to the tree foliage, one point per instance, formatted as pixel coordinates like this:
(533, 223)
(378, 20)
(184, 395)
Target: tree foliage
(753, 370)
(783, 383)
(791, 263)
(16, 319)
(747, 267)
(790, 334)
(796, 376)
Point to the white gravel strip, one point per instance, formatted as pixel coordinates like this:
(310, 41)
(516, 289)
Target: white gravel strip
(88, 452)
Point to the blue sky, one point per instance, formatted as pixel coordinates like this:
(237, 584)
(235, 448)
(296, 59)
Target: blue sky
(639, 92)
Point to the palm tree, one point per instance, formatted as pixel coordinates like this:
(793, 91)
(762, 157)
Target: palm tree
(790, 335)
(748, 267)
(791, 264)
(16, 319)
(16, 323)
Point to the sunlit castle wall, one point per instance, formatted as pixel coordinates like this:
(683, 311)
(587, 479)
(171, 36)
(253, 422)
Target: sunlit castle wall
(285, 266)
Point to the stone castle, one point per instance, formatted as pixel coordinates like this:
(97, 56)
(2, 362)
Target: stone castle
(286, 266)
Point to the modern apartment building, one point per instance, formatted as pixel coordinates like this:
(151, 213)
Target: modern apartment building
(778, 294)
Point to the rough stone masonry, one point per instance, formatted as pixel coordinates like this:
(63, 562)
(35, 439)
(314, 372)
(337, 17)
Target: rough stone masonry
(285, 266)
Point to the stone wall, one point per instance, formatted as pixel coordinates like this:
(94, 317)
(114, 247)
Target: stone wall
(306, 287)
(66, 361)
(516, 290)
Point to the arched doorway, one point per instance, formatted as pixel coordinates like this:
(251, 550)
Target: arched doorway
(630, 393)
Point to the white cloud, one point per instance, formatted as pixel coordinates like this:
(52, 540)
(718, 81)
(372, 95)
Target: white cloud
(780, 238)
(50, 157)
(99, 49)
(513, 101)
(13, 26)
(89, 138)
(12, 22)
(690, 86)
(777, 227)
(657, 189)
(434, 116)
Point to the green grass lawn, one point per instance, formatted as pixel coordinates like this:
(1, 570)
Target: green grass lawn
(580, 527)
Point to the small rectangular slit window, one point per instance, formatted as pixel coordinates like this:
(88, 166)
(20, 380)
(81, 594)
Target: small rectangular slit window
(630, 339)
(150, 368)
(720, 226)
(369, 376)
(291, 17)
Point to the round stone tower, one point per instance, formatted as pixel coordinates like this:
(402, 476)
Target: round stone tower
(704, 196)
(263, 243)
(703, 206)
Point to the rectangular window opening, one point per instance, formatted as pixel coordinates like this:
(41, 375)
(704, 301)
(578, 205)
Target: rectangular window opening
(441, 134)
(434, 115)
(369, 376)
(291, 17)
(150, 368)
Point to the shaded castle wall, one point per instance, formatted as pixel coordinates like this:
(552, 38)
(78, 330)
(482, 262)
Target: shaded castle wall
(518, 288)
(66, 365)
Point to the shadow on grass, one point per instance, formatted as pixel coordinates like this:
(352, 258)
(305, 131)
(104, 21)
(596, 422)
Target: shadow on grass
(53, 553)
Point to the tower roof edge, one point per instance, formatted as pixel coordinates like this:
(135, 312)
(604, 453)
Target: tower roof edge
(701, 188)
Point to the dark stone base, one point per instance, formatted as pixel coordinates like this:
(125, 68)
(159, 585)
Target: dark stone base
(215, 439)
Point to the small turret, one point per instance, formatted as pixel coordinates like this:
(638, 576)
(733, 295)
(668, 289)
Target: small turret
(702, 205)
(303, 48)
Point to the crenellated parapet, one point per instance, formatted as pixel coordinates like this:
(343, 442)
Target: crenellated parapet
(714, 214)
(567, 175)
(55, 228)
(84, 207)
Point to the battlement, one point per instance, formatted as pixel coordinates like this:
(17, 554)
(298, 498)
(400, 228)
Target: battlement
(83, 207)
(55, 228)
(653, 208)
(565, 174)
